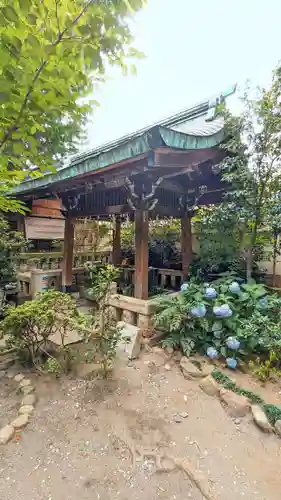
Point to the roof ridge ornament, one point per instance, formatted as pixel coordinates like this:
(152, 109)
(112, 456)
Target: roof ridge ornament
(216, 102)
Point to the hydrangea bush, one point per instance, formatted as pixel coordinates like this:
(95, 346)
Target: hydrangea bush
(226, 318)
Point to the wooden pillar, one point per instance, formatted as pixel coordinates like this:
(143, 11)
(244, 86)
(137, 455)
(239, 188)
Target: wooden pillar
(21, 224)
(186, 244)
(116, 250)
(68, 255)
(141, 254)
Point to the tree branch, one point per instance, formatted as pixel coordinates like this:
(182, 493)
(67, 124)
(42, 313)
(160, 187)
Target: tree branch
(14, 126)
(57, 16)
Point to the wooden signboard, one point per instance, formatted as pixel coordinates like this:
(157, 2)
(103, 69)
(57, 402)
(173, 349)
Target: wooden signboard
(43, 228)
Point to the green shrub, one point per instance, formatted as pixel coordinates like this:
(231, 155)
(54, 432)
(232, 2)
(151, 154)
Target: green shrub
(99, 279)
(103, 333)
(251, 316)
(273, 412)
(265, 370)
(30, 325)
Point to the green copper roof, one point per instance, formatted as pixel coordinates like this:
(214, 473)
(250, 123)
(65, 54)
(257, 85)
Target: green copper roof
(194, 128)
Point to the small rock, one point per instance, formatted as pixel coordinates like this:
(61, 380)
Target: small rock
(167, 368)
(183, 414)
(21, 421)
(133, 334)
(19, 377)
(206, 369)
(278, 427)
(178, 419)
(260, 418)
(168, 465)
(26, 409)
(2, 373)
(147, 333)
(209, 386)
(30, 399)
(25, 382)
(237, 405)
(169, 351)
(152, 367)
(189, 370)
(10, 374)
(237, 421)
(6, 434)
(177, 356)
(28, 389)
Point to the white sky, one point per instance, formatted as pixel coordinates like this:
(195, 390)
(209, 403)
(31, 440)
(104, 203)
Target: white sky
(194, 49)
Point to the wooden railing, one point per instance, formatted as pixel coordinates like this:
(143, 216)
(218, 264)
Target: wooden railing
(169, 279)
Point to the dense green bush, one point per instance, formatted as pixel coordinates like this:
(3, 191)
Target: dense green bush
(221, 319)
(11, 243)
(103, 334)
(30, 325)
(99, 279)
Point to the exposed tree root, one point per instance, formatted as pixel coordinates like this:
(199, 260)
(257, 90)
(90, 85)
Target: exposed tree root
(172, 463)
(165, 462)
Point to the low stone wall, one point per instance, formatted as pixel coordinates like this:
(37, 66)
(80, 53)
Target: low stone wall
(35, 281)
(131, 310)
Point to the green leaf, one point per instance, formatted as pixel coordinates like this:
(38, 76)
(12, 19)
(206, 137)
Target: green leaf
(223, 351)
(10, 14)
(24, 5)
(217, 334)
(217, 326)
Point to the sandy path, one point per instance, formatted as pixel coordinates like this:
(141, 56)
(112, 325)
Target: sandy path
(79, 442)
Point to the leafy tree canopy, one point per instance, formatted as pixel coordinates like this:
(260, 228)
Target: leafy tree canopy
(252, 170)
(53, 53)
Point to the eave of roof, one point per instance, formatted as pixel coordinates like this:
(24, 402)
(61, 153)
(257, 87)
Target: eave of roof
(194, 128)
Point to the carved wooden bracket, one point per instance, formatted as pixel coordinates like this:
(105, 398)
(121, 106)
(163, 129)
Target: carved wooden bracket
(139, 196)
(189, 202)
(69, 203)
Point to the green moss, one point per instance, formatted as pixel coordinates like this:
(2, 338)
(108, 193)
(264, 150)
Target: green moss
(273, 412)
(227, 383)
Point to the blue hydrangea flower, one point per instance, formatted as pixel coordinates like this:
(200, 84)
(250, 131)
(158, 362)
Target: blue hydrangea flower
(199, 311)
(263, 302)
(232, 343)
(184, 287)
(212, 353)
(210, 293)
(231, 363)
(234, 287)
(223, 311)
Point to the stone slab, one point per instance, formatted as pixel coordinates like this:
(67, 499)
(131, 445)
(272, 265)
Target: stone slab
(131, 339)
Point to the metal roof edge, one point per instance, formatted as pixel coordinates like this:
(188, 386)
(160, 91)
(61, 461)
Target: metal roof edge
(73, 170)
(186, 114)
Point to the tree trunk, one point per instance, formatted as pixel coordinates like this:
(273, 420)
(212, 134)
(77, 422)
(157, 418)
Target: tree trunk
(249, 263)
(275, 241)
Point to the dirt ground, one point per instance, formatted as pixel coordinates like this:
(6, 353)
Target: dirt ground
(84, 437)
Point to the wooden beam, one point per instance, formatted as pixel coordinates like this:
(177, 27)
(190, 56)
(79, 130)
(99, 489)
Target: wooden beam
(186, 244)
(116, 243)
(68, 255)
(141, 254)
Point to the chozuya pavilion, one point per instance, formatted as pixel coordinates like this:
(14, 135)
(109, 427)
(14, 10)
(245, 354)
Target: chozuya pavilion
(163, 170)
